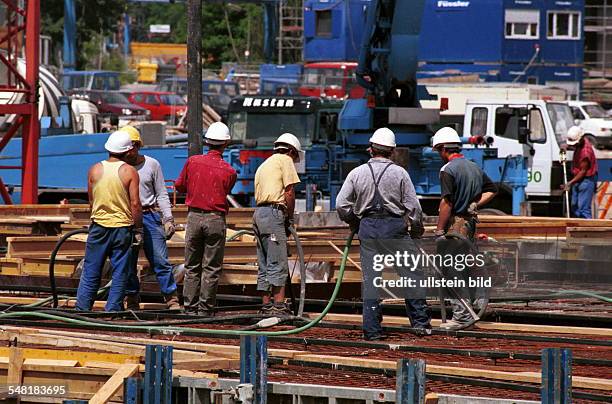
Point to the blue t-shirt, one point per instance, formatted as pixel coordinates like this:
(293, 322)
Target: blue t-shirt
(462, 183)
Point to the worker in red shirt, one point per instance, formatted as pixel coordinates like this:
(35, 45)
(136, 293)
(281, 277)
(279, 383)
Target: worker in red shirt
(584, 169)
(207, 180)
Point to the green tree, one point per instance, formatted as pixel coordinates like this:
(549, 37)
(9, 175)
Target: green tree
(94, 18)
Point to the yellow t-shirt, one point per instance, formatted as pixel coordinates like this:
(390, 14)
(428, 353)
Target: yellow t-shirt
(111, 202)
(272, 177)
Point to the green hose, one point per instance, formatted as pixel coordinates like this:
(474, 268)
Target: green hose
(585, 293)
(202, 331)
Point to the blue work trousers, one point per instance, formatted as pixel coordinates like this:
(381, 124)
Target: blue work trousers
(102, 243)
(582, 197)
(156, 251)
(385, 228)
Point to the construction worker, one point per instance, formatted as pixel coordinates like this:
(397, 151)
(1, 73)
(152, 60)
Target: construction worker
(464, 189)
(584, 171)
(275, 182)
(158, 225)
(378, 200)
(207, 180)
(116, 217)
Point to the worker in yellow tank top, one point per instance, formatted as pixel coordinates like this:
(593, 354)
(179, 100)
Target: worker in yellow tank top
(116, 224)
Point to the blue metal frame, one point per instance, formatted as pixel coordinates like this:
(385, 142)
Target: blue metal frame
(410, 384)
(158, 375)
(254, 365)
(556, 376)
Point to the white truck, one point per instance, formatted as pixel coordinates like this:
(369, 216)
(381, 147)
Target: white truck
(535, 129)
(595, 121)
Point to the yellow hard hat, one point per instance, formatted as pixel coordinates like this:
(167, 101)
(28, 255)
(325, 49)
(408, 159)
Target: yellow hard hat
(133, 132)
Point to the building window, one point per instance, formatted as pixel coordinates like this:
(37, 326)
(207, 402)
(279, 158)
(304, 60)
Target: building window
(522, 24)
(323, 24)
(563, 25)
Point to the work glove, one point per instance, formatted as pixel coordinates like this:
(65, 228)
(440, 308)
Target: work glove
(473, 208)
(169, 228)
(138, 238)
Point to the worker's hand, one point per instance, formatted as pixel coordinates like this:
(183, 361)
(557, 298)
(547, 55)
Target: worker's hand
(440, 235)
(289, 222)
(138, 238)
(473, 208)
(565, 187)
(416, 231)
(169, 228)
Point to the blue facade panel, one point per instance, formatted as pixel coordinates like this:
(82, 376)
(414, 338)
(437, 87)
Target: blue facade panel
(333, 29)
(460, 31)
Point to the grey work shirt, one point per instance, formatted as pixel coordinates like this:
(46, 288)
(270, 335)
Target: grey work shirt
(356, 196)
(153, 186)
(463, 182)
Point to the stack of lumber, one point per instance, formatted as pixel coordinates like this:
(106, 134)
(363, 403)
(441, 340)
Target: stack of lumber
(92, 367)
(516, 227)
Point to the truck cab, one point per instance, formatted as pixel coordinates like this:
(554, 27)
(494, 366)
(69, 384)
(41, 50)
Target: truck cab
(595, 122)
(255, 122)
(535, 129)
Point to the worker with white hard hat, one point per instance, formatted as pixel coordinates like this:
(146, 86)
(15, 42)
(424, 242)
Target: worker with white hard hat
(584, 171)
(207, 180)
(465, 188)
(116, 224)
(379, 201)
(158, 225)
(275, 182)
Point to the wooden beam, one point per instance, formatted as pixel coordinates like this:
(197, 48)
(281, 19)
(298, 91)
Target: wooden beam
(112, 386)
(15, 366)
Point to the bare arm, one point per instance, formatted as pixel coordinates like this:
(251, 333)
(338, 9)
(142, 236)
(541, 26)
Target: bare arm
(90, 184)
(290, 200)
(444, 215)
(485, 198)
(584, 167)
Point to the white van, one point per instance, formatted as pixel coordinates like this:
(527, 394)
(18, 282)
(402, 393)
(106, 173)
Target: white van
(596, 123)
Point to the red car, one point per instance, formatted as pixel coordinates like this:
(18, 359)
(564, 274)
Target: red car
(164, 106)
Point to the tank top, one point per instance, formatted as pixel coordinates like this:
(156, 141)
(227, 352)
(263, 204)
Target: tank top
(111, 202)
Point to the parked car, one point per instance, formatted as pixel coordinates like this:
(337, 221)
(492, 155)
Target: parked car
(215, 93)
(113, 104)
(597, 124)
(164, 106)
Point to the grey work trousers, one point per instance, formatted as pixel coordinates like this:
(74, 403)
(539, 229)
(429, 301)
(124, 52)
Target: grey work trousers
(269, 228)
(204, 246)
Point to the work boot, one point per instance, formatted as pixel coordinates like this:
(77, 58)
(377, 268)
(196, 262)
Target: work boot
(266, 308)
(132, 302)
(172, 301)
(453, 325)
(280, 309)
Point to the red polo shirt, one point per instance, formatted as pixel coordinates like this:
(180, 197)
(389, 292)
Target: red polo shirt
(587, 153)
(207, 180)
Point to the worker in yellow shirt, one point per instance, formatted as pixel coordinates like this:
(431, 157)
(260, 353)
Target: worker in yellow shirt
(116, 216)
(275, 180)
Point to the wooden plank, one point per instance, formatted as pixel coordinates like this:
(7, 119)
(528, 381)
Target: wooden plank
(113, 385)
(15, 366)
(58, 355)
(207, 364)
(589, 233)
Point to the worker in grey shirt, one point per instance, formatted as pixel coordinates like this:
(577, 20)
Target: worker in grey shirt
(157, 227)
(378, 200)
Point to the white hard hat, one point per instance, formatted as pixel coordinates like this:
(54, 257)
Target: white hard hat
(217, 133)
(119, 142)
(383, 137)
(574, 134)
(288, 139)
(445, 135)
